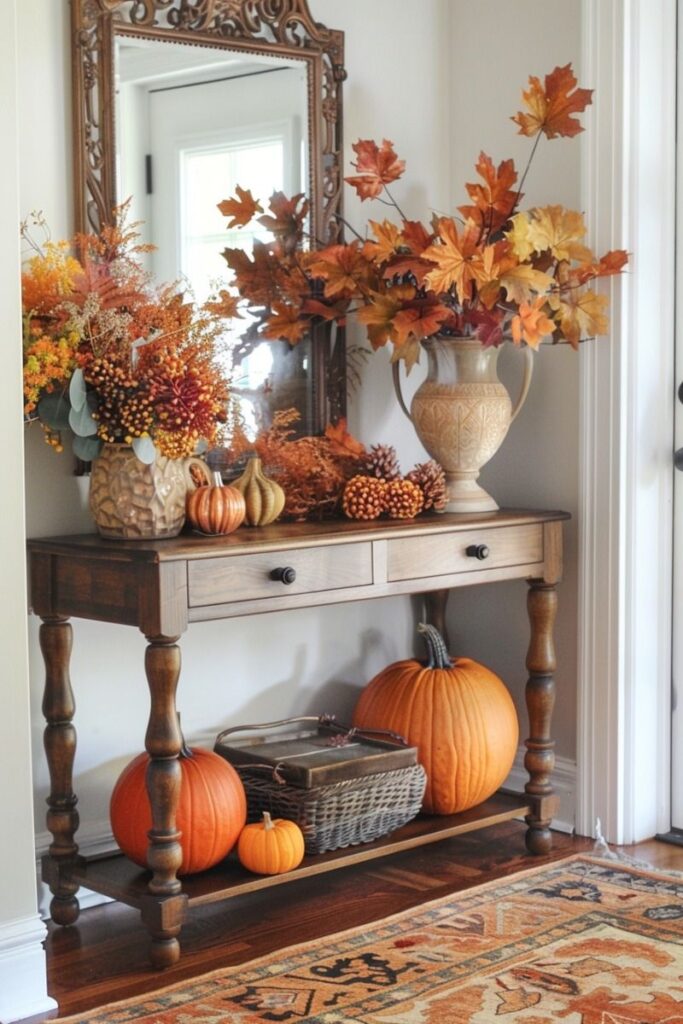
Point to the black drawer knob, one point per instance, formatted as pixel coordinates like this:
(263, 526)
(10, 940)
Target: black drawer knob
(285, 574)
(479, 551)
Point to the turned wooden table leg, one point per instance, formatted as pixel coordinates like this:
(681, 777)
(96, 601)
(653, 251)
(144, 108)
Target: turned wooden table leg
(435, 610)
(539, 760)
(163, 914)
(59, 741)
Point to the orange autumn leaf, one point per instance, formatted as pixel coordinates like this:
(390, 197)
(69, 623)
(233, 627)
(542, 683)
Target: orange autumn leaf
(342, 442)
(225, 305)
(388, 241)
(341, 267)
(421, 319)
(495, 200)
(416, 237)
(285, 324)
(377, 166)
(378, 315)
(550, 106)
(241, 208)
(580, 314)
(286, 216)
(531, 323)
(612, 262)
(456, 256)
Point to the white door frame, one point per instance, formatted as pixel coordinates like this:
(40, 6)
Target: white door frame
(627, 396)
(677, 695)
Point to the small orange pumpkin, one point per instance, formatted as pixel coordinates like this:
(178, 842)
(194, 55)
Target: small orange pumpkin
(271, 847)
(211, 812)
(457, 713)
(215, 508)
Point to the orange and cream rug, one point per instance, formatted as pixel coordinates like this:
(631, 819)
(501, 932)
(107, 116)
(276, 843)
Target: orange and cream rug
(580, 942)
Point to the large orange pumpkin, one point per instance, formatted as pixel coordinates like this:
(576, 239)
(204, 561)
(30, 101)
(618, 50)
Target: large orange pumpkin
(212, 809)
(457, 713)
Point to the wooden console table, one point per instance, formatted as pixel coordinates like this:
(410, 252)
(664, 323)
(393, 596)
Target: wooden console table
(161, 586)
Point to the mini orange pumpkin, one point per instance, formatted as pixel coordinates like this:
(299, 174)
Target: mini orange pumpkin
(271, 847)
(211, 813)
(215, 508)
(457, 713)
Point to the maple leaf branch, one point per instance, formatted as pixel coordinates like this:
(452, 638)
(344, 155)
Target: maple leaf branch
(526, 171)
(351, 228)
(393, 203)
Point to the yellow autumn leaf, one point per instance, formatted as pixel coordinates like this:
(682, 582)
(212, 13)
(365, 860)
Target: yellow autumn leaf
(581, 314)
(518, 237)
(522, 282)
(554, 229)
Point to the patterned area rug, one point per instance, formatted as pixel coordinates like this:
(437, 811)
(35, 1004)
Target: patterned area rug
(583, 941)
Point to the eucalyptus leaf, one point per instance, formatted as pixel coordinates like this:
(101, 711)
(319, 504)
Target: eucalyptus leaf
(77, 390)
(87, 448)
(145, 450)
(53, 411)
(201, 446)
(82, 422)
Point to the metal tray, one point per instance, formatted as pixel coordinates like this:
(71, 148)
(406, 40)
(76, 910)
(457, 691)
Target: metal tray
(318, 754)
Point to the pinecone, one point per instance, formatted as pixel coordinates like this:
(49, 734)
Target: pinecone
(431, 479)
(403, 499)
(382, 462)
(364, 497)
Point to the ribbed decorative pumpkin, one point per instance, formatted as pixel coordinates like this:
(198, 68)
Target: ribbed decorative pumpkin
(457, 713)
(211, 811)
(264, 497)
(271, 846)
(216, 508)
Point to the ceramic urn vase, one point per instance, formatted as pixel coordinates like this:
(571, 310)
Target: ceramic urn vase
(461, 413)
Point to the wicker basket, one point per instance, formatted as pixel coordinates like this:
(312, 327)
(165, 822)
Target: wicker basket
(341, 814)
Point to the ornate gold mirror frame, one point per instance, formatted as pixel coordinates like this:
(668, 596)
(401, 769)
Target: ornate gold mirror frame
(271, 28)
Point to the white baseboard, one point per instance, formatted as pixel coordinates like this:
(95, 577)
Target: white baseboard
(564, 783)
(23, 987)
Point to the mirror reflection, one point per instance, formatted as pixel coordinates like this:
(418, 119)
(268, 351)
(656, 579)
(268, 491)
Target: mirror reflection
(192, 123)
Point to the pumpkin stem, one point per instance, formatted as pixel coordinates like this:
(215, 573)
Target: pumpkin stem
(185, 751)
(436, 647)
(217, 478)
(267, 821)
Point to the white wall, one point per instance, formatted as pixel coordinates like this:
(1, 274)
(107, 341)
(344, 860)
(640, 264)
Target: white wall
(431, 91)
(22, 960)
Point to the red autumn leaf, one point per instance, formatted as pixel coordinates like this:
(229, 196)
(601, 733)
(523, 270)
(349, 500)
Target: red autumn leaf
(489, 326)
(495, 200)
(377, 166)
(416, 236)
(241, 208)
(550, 107)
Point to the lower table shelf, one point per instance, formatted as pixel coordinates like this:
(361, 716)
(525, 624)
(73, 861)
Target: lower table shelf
(120, 879)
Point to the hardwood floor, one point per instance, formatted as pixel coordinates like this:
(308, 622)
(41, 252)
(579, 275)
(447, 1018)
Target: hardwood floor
(104, 957)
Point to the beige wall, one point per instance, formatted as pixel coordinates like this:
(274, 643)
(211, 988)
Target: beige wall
(420, 75)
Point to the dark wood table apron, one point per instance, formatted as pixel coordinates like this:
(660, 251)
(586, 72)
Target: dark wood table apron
(161, 586)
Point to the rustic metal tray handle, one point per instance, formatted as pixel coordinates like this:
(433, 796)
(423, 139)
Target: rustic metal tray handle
(328, 720)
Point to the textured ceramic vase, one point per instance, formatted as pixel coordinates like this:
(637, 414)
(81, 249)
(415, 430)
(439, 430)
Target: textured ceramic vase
(130, 500)
(461, 413)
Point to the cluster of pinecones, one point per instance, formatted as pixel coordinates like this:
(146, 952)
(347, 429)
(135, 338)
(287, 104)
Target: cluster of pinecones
(380, 488)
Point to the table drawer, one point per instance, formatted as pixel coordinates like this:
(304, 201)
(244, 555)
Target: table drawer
(247, 577)
(444, 554)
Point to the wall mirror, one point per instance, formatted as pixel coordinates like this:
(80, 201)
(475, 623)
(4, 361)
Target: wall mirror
(178, 101)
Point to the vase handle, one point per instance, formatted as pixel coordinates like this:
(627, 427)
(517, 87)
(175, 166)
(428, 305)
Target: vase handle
(526, 383)
(395, 371)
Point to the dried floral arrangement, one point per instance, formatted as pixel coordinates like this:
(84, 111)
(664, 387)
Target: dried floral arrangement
(112, 356)
(324, 476)
(493, 271)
